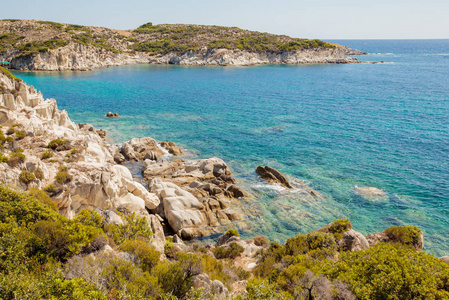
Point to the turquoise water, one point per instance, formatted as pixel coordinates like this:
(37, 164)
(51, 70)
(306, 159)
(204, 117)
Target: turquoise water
(333, 127)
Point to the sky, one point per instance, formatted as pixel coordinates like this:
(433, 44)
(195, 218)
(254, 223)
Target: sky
(323, 19)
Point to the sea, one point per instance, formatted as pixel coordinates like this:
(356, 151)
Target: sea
(333, 127)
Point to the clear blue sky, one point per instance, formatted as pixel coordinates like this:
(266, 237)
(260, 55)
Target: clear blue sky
(325, 19)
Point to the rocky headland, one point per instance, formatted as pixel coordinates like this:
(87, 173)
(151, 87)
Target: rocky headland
(50, 46)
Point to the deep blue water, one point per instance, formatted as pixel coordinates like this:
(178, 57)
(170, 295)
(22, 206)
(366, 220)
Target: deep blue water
(331, 126)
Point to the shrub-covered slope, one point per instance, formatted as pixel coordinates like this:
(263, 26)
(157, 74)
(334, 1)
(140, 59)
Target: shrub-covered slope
(44, 255)
(22, 41)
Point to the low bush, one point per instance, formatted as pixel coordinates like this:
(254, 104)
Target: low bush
(135, 227)
(232, 232)
(47, 154)
(231, 251)
(51, 190)
(26, 177)
(43, 197)
(10, 131)
(15, 158)
(302, 244)
(20, 135)
(176, 278)
(388, 271)
(407, 235)
(261, 240)
(63, 176)
(337, 228)
(39, 173)
(144, 255)
(8, 73)
(53, 144)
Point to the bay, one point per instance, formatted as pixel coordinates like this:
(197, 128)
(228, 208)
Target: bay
(333, 127)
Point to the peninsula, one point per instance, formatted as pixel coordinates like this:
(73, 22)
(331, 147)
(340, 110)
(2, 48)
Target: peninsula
(50, 46)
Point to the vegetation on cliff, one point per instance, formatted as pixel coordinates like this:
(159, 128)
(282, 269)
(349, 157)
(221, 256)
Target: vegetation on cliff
(179, 38)
(44, 255)
(29, 37)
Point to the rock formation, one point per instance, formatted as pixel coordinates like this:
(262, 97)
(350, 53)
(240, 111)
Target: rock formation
(274, 176)
(372, 194)
(80, 171)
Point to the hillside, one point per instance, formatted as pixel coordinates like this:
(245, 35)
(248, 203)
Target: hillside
(44, 45)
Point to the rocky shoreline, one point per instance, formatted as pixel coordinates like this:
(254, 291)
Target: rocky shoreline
(42, 150)
(191, 198)
(33, 45)
(86, 57)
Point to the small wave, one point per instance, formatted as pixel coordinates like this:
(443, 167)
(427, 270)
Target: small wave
(166, 153)
(268, 186)
(381, 53)
(275, 187)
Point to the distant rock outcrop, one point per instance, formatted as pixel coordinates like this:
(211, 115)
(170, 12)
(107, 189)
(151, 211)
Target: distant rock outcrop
(58, 47)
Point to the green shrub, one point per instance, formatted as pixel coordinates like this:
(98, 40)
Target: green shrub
(51, 190)
(45, 282)
(43, 197)
(231, 251)
(15, 158)
(176, 278)
(302, 244)
(15, 125)
(55, 143)
(337, 228)
(89, 218)
(20, 135)
(143, 254)
(47, 154)
(388, 271)
(26, 177)
(126, 281)
(3, 159)
(407, 235)
(261, 240)
(135, 228)
(10, 131)
(7, 73)
(39, 173)
(232, 232)
(52, 24)
(32, 48)
(62, 176)
(264, 289)
(168, 247)
(23, 208)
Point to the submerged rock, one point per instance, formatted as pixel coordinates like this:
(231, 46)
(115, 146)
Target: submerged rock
(371, 194)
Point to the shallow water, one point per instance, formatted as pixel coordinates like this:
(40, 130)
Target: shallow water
(333, 127)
